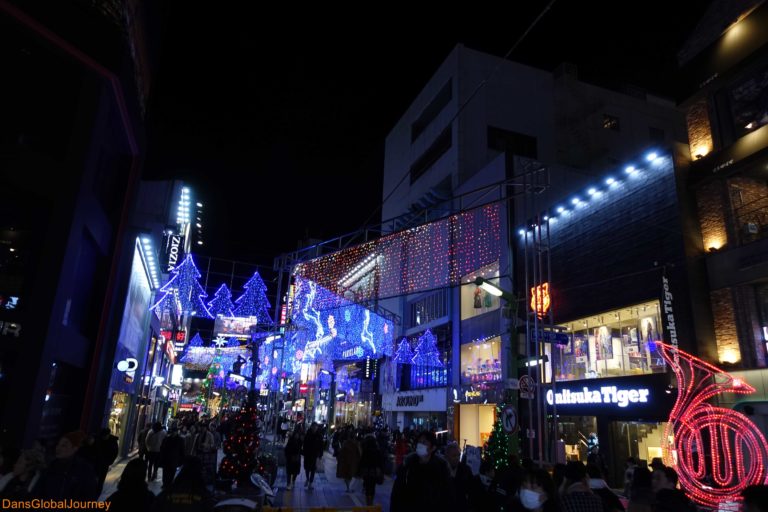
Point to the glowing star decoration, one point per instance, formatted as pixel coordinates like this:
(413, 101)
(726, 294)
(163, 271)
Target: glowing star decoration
(220, 342)
(718, 452)
(299, 354)
(540, 300)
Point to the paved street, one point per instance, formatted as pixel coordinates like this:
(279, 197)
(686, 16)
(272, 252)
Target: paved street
(328, 491)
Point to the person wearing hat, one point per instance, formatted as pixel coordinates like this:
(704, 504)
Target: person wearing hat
(69, 476)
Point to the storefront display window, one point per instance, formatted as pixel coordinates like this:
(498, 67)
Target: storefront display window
(474, 300)
(611, 344)
(481, 362)
(476, 423)
(578, 433)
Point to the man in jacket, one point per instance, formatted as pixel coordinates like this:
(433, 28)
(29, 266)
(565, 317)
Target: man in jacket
(70, 475)
(460, 477)
(105, 450)
(423, 481)
(154, 442)
(171, 455)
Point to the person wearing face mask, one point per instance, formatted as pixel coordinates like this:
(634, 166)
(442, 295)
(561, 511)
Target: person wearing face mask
(537, 492)
(460, 477)
(422, 482)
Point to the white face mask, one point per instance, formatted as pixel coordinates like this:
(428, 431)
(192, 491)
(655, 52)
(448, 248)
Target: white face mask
(530, 499)
(422, 450)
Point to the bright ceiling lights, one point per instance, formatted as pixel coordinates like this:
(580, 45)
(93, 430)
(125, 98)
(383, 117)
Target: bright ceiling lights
(629, 169)
(592, 191)
(560, 209)
(651, 156)
(610, 181)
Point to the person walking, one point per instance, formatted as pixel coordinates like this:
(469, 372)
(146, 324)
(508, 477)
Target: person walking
(70, 475)
(141, 440)
(188, 492)
(461, 477)
(105, 450)
(371, 468)
(132, 492)
(19, 483)
(348, 459)
(576, 496)
(537, 492)
(312, 450)
(154, 442)
(422, 482)
(205, 449)
(292, 458)
(171, 455)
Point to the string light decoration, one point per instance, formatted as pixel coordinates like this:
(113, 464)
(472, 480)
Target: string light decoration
(253, 301)
(736, 447)
(497, 449)
(185, 288)
(167, 306)
(427, 370)
(221, 305)
(426, 257)
(196, 341)
(240, 447)
(332, 326)
(403, 354)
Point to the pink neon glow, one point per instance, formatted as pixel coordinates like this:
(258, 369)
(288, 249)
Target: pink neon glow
(719, 451)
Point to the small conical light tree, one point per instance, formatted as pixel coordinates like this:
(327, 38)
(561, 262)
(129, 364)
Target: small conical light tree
(184, 285)
(166, 304)
(221, 305)
(253, 301)
(497, 450)
(403, 354)
(427, 353)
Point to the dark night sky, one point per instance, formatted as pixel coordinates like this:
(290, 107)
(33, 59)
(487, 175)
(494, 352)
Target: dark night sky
(279, 118)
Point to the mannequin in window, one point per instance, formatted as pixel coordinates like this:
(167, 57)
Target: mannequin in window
(478, 298)
(488, 300)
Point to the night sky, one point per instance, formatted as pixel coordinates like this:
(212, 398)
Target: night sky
(279, 118)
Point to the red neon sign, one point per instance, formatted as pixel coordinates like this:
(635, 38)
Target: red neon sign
(303, 388)
(181, 335)
(540, 300)
(701, 429)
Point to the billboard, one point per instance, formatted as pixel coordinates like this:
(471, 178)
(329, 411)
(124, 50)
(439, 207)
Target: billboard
(238, 327)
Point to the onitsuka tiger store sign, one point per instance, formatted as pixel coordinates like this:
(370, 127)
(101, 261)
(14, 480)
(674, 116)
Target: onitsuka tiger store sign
(636, 397)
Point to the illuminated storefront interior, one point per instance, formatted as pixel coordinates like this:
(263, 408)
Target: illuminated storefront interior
(476, 423)
(481, 363)
(474, 300)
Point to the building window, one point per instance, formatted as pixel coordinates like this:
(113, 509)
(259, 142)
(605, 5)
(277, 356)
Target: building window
(611, 344)
(431, 360)
(428, 309)
(511, 142)
(474, 300)
(435, 106)
(439, 147)
(481, 363)
(611, 123)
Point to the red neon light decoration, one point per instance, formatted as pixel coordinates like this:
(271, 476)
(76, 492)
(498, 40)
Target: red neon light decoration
(540, 300)
(719, 451)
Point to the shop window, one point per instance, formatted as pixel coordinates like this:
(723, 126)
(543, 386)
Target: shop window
(474, 300)
(745, 103)
(611, 344)
(428, 309)
(481, 363)
(430, 363)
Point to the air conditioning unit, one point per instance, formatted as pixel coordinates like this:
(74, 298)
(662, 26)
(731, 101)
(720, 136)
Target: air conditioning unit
(751, 228)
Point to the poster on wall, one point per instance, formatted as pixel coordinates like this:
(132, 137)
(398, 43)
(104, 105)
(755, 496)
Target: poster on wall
(603, 344)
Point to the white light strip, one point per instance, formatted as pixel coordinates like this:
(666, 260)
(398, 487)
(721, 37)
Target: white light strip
(150, 260)
(594, 192)
(363, 266)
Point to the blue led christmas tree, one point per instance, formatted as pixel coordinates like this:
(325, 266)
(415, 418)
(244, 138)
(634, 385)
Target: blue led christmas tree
(186, 289)
(403, 354)
(427, 353)
(221, 305)
(196, 341)
(167, 304)
(253, 301)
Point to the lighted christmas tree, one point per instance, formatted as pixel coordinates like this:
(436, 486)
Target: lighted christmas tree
(497, 450)
(241, 445)
(221, 305)
(427, 353)
(184, 286)
(403, 354)
(169, 304)
(253, 301)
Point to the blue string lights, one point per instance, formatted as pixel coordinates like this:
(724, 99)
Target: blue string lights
(427, 370)
(185, 288)
(221, 305)
(403, 354)
(564, 212)
(253, 301)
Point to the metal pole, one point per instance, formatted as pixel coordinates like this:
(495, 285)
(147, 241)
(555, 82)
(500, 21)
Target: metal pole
(555, 435)
(527, 318)
(537, 330)
(275, 412)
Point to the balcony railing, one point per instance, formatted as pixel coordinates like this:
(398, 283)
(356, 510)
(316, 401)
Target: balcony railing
(752, 220)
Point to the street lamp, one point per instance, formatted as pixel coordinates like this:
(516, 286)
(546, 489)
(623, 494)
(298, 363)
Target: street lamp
(494, 289)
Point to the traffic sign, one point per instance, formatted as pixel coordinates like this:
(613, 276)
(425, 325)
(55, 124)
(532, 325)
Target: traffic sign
(558, 338)
(527, 387)
(509, 419)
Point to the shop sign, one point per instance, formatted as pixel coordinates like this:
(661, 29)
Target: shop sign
(169, 350)
(669, 315)
(128, 366)
(409, 400)
(264, 392)
(10, 329)
(424, 400)
(353, 353)
(303, 388)
(610, 395)
(174, 249)
(540, 299)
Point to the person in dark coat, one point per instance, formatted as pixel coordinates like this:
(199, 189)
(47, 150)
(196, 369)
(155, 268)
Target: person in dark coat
(188, 492)
(371, 468)
(460, 477)
(171, 455)
(422, 482)
(132, 492)
(668, 498)
(70, 475)
(104, 452)
(19, 483)
(312, 449)
(293, 458)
